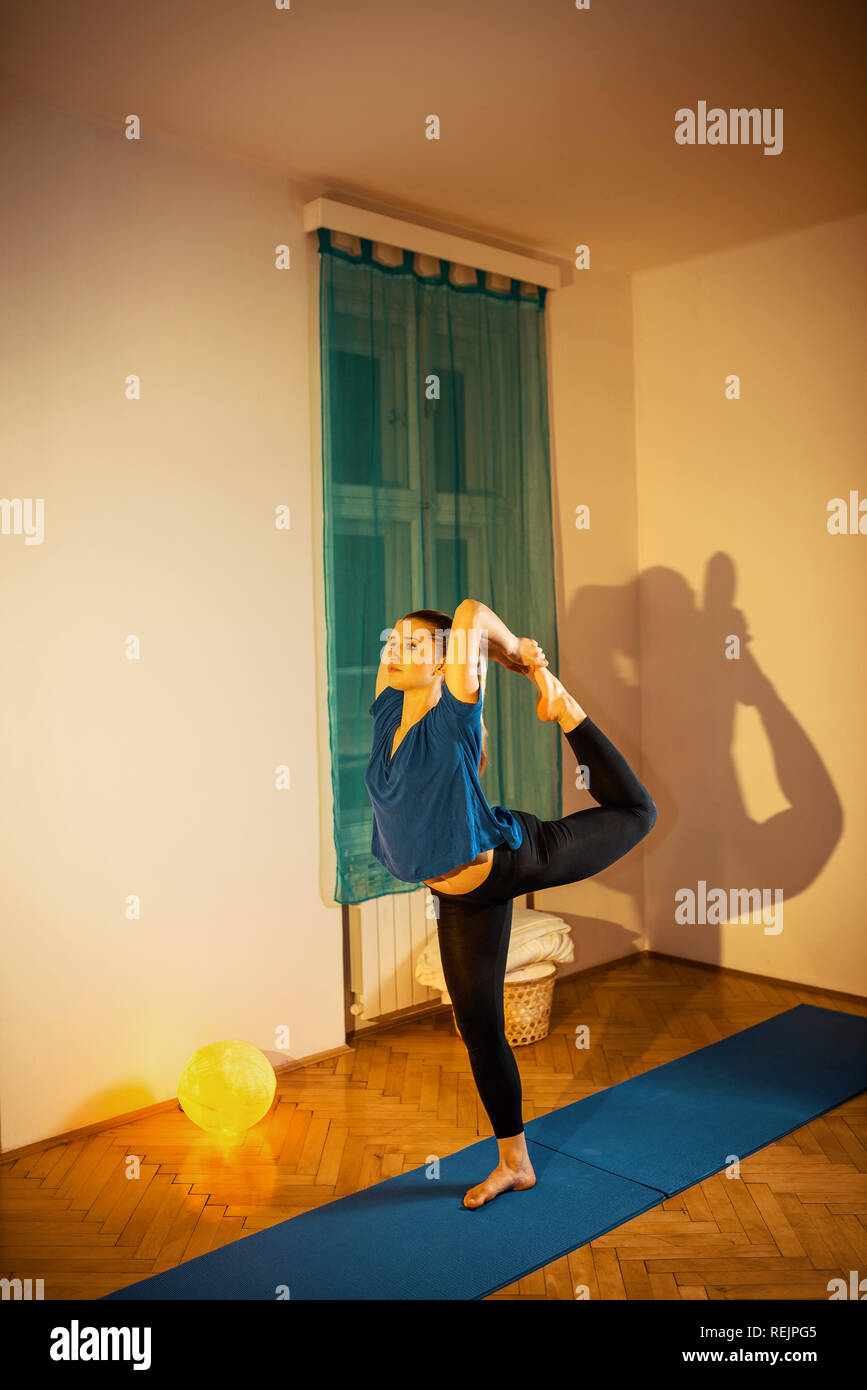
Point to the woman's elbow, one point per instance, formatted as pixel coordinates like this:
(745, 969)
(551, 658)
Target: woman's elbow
(467, 608)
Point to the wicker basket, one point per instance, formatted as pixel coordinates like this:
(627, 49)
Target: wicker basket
(527, 996)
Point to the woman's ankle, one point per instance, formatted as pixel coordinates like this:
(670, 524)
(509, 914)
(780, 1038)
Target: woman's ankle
(513, 1151)
(572, 714)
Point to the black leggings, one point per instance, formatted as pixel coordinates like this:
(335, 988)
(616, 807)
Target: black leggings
(474, 928)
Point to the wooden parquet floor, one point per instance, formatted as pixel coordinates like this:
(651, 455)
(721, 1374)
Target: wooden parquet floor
(794, 1219)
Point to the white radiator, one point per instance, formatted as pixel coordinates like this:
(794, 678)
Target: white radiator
(386, 937)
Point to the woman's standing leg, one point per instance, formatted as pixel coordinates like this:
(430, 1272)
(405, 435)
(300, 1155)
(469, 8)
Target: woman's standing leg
(474, 948)
(474, 929)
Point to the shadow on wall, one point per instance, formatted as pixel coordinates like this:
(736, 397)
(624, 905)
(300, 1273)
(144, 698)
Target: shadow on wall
(703, 831)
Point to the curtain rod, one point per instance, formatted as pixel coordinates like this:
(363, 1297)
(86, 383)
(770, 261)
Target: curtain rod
(374, 226)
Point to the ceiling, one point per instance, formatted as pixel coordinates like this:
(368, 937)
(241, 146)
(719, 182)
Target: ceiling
(557, 124)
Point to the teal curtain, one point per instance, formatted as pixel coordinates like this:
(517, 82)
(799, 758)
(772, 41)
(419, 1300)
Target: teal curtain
(436, 488)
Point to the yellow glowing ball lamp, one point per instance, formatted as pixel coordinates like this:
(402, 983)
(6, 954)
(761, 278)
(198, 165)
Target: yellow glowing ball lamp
(226, 1087)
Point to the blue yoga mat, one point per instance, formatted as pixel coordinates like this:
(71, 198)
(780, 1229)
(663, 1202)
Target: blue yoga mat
(679, 1123)
(598, 1162)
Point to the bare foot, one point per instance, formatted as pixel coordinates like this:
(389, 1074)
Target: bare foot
(503, 1179)
(554, 700)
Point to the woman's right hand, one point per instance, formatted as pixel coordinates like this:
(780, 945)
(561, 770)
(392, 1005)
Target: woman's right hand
(530, 654)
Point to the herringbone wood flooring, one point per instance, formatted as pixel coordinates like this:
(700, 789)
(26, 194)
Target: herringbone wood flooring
(794, 1219)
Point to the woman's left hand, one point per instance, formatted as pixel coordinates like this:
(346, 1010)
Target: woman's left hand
(530, 656)
(511, 665)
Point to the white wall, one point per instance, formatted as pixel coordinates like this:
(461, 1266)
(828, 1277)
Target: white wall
(593, 464)
(768, 793)
(154, 777)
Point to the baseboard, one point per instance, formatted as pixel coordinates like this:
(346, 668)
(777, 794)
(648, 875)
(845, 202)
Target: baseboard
(130, 1116)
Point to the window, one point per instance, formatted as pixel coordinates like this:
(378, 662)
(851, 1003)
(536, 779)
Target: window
(436, 487)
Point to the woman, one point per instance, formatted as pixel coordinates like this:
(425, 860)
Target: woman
(433, 824)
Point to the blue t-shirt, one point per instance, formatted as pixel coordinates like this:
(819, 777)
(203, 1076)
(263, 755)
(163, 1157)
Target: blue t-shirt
(429, 811)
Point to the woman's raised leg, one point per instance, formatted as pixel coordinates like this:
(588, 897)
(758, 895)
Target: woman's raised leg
(585, 842)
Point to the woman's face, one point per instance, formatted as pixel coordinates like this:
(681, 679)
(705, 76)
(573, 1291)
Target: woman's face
(411, 655)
